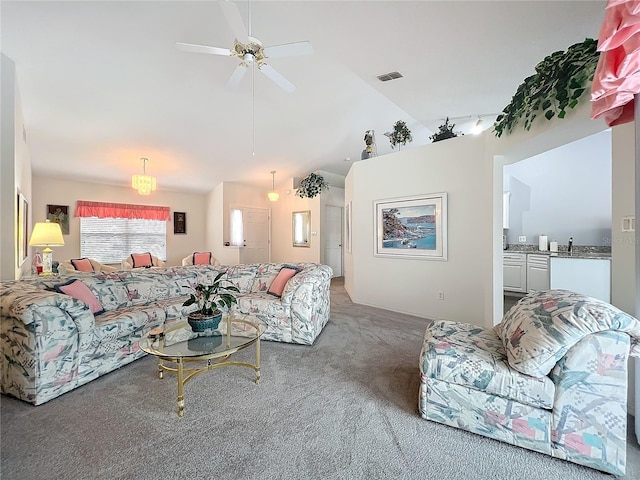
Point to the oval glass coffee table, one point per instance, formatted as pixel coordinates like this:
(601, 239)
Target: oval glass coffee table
(178, 345)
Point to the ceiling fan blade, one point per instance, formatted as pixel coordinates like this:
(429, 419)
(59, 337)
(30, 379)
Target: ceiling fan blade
(279, 80)
(288, 49)
(190, 47)
(237, 76)
(232, 14)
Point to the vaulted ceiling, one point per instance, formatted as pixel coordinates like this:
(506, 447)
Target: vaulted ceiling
(102, 84)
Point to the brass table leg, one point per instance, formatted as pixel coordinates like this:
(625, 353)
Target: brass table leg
(160, 370)
(258, 361)
(180, 387)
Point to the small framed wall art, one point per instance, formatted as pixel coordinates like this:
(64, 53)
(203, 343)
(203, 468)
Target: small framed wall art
(59, 214)
(179, 222)
(412, 227)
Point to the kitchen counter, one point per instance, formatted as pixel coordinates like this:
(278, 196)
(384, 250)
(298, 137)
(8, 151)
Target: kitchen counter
(579, 251)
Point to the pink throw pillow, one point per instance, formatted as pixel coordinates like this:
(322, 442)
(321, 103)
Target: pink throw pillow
(202, 258)
(141, 260)
(79, 291)
(277, 286)
(82, 264)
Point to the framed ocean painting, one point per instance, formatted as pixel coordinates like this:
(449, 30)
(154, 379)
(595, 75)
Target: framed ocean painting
(412, 227)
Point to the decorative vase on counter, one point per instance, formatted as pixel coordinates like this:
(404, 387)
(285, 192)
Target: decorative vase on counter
(200, 322)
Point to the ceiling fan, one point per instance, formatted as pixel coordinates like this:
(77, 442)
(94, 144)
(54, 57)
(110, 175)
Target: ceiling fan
(250, 50)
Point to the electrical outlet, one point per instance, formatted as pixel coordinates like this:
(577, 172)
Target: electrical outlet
(522, 238)
(440, 295)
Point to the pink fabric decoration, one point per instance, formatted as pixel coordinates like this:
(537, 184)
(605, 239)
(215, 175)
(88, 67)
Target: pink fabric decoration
(121, 210)
(277, 286)
(80, 291)
(141, 260)
(617, 77)
(202, 258)
(82, 264)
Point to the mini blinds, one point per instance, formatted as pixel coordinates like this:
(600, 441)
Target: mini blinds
(236, 227)
(111, 240)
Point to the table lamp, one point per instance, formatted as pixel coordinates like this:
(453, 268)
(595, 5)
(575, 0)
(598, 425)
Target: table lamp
(46, 234)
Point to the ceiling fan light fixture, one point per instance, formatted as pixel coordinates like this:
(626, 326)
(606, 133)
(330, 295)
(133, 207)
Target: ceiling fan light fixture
(144, 184)
(273, 195)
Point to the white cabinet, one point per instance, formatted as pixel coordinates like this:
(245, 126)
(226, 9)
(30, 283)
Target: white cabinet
(537, 272)
(589, 276)
(515, 272)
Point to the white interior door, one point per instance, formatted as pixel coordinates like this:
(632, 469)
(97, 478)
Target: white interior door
(333, 239)
(255, 224)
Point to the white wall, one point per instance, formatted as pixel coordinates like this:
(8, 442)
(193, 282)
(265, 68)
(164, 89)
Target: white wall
(458, 167)
(624, 288)
(15, 172)
(562, 193)
(66, 192)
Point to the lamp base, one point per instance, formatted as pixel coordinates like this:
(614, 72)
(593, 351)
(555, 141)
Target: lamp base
(47, 261)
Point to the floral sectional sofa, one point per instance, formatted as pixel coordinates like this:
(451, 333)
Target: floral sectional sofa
(51, 343)
(551, 377)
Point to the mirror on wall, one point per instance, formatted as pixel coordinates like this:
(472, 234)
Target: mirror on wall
(301, 229)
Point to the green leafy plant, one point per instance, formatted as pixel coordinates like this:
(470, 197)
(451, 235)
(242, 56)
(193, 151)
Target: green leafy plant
(559, 83)
(401, 134)
(444, 131)
(312, 185)
(212, 298)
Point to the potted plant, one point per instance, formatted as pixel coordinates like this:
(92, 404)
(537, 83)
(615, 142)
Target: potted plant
(444, 131)
(211, 300)
(312, 185)
(401, 134)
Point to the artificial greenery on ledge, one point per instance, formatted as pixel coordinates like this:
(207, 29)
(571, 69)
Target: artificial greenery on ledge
(312, 185)
(444, 131)
(401, 134)
(558, 84)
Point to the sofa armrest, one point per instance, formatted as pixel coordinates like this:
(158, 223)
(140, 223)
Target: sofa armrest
(42, 335)
(44, 311)
(307, 294)
(589, 416)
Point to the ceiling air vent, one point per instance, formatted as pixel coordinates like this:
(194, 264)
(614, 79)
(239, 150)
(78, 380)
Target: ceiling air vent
(385, 77)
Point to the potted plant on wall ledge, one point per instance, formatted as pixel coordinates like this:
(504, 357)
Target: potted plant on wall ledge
(312, 185)
(444, 131)
(401, 134)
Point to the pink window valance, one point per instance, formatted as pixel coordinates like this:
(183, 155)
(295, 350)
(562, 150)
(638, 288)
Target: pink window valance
(121, 210)
(617, 77)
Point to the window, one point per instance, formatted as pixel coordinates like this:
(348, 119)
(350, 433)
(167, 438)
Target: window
(110, 240)
(237, 232)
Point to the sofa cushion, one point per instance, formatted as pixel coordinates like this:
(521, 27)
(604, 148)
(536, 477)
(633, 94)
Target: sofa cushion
(277, 286)
(78, 290)
(139, 260)
(242, 276)
(202, 258)
(474, 357)
(542, 326)
(109, 290)
(265, 274)
(145, 286)
(125, 321)
(82, 264)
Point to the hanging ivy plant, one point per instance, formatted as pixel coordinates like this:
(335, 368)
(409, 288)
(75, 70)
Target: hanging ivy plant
(558, 84)
(312, 185)
(401, 134)
(444, 131)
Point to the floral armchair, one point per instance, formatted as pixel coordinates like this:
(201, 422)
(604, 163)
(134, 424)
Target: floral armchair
(551, 377)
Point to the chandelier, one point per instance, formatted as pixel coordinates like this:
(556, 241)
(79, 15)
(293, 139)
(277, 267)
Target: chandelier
(144, 184)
